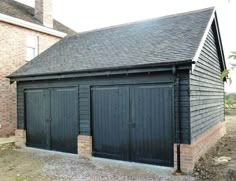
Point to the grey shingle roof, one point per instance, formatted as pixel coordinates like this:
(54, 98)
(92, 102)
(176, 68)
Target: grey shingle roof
(24, 12)
(168, 39)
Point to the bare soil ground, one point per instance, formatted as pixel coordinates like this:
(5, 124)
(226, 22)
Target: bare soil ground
(16, 165)
(206, 168)
(35, 165)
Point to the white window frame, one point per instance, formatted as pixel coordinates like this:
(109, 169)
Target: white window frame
(32, 42)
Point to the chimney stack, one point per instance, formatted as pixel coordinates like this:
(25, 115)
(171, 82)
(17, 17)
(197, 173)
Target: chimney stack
(43, 12)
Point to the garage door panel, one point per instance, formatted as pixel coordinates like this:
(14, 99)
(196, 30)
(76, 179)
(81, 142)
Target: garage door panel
(110, 119)
(64, 119)
(37, 118)
(145, 135)
(151, 138)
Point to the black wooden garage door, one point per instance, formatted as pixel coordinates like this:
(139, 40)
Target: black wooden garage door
(133, 123)
(110, 118)
(52, 118)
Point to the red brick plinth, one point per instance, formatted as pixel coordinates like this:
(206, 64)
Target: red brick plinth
(190, 153)
(85, 145)
(20, 138)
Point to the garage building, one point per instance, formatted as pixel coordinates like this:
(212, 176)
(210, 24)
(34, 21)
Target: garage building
(147, 92)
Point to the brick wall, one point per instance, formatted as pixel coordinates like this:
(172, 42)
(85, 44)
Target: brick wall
(13, 56)
(190, 153)
(85, 145)
(20, 138)
(43, 12)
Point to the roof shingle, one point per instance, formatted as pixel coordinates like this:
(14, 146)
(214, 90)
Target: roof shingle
(167, 39)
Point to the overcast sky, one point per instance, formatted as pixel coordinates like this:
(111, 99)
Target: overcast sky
(83, 15)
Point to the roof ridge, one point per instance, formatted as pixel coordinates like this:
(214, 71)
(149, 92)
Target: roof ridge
(145, 20)
(30, 9)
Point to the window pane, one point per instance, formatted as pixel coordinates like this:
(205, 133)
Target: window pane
(31, 47)
(31, 41)
(30, 53)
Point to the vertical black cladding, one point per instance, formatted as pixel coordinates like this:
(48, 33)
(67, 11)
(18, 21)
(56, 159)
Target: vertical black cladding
(151, 127)
(52, 118)
(133, 123)
(64, 119)
(110, 117)
(37, 118)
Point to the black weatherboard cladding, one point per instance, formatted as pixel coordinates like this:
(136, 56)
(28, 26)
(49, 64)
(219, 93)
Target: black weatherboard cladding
(207, 89)
(84, 85)
(184, 107)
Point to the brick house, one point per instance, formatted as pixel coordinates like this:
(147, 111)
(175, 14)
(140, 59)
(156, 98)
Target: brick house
(25, 32)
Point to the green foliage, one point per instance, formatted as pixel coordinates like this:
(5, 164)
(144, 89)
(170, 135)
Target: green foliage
(233, 55)
(230, 100)
(23, 178)
(226, 72)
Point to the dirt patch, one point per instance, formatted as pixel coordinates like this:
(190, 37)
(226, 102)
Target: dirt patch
(7, 146)
(207, 168)
(34, 165)
(16, 165)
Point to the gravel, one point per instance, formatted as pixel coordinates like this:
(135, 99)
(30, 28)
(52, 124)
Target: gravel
(72, 168)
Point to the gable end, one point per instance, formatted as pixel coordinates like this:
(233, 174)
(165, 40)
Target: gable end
(217, 37)
(207, 88)
(214, 27)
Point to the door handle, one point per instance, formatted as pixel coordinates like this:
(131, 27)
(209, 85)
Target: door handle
(49, 120)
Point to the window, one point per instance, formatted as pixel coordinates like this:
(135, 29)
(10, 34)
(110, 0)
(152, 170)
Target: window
(31, 47)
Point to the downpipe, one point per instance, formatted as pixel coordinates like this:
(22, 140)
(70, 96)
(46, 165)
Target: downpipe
(178, 132)
(177, 122)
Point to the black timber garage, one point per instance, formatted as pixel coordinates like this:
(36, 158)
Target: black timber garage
(122, 110)
(134, 92)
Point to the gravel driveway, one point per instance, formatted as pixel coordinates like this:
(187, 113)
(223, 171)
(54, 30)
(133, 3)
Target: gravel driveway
(35, 165)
